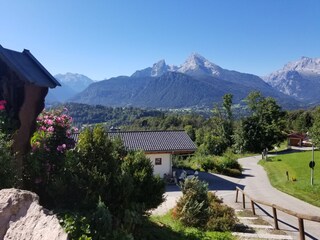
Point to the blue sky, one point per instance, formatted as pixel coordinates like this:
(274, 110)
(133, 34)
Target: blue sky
(107, 38)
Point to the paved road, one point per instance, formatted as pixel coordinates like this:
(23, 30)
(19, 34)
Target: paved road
(256, 183)
(258, 186)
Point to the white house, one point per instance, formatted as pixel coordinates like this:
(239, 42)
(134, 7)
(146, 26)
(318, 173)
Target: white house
(159, 146)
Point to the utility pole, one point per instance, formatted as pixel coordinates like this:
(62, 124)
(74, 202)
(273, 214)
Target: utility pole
(312, 164)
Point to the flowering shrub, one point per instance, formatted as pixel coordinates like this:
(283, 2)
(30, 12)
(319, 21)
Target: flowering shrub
(7, 174)
(48, 146)
(2, 104)
(3, 115)
(54, 132)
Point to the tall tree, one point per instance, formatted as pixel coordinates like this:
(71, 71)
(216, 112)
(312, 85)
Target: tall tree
(218, 137)
(264, 127)
(223, 120)
(315, 129)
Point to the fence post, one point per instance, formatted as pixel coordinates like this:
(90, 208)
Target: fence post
(243, 201)
(301, 229)
(237, 192)
(253, 209)
(275, 218)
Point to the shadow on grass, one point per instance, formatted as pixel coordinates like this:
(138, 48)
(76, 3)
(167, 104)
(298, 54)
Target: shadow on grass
(287, 151)
(156, 231)
(160, 231)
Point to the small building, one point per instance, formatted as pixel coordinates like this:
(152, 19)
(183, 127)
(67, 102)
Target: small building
(24, 84)
(159, 146)
(296, 139)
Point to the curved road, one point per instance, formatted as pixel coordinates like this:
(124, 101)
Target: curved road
(258, 186)
(256, 183)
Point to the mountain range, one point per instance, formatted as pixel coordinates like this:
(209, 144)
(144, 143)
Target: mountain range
(299, 79)
(71, 84)
(197, 83)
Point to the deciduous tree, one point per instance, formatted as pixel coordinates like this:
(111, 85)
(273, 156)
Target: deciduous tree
(264, 127)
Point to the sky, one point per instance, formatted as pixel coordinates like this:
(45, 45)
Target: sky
(107, 38)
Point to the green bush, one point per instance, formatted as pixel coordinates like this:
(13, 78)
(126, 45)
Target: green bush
(7, 174)
(188, 163)
(8, 125)
(140, 170)
(208, 163)
(193, 207)
(221, 217)
(76, 225)
(99, 170)
(101, 223)
(232, 172)
(226, 164)
(229, 165)
(198, 208)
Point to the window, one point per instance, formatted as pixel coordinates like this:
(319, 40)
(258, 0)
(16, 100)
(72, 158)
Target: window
(158, 161)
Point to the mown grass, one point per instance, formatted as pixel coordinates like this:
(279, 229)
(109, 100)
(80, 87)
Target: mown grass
(165, 227)
(282, 146)
(299, 183)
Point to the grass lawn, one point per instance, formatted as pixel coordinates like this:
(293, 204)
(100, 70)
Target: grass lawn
(164, 228)
(281, 147)
(297, 165)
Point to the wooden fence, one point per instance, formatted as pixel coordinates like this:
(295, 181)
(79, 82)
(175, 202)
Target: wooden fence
(275, 207)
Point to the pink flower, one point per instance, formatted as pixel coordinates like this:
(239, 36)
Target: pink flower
(2, 104)
(50, 129)
(48, 121)
(42, 128)
(61, 148)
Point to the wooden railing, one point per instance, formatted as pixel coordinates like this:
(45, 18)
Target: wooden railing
(275, 207)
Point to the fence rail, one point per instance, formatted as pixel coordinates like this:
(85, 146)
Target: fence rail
(301, 217)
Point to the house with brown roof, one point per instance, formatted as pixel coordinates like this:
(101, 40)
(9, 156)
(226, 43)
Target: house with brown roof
(159, 146)
(24, 84)
(296, 139)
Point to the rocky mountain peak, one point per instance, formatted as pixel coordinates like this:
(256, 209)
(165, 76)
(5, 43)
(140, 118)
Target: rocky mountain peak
(304, 64)
(159, 68)
(196, 58)
(196, 65)
(300, 79)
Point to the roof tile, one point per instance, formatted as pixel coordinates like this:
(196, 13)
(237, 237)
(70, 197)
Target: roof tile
(155, 141)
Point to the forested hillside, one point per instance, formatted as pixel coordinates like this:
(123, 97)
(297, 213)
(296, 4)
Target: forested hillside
(89, 114)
